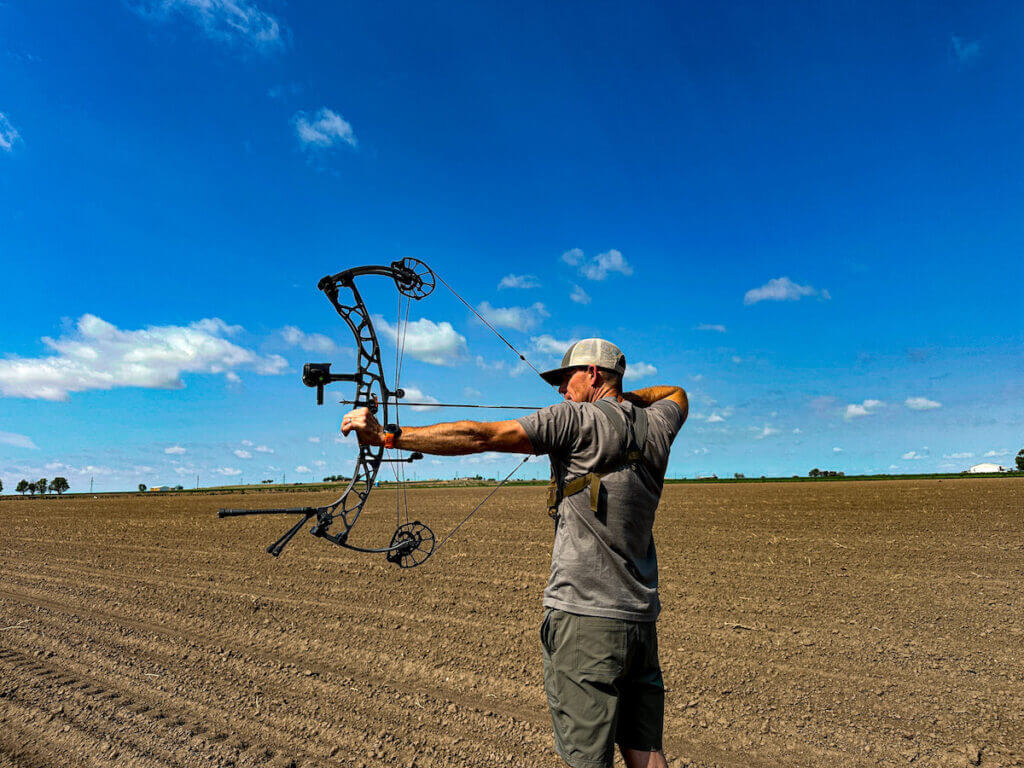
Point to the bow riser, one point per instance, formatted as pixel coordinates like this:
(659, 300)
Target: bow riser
(412, 543)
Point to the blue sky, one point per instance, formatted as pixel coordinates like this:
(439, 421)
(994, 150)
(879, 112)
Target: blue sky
(809, 217)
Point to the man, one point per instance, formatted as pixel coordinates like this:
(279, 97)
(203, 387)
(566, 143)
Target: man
(608, 460)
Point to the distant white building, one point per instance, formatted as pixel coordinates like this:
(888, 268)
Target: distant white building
(978, 469)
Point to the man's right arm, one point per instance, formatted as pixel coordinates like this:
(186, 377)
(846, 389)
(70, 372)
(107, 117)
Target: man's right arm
(650, 395)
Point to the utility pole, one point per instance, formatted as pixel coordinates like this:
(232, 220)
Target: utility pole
(90, 485)
(197, 481)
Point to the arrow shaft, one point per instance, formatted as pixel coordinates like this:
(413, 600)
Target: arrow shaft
(450, 405)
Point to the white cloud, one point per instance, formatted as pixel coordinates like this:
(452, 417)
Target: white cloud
(912, 456)
(471, 392)
(837, 449)
(711, 327)
(579, 295)
(18, 441)
(247, 443)
(610, 261)
(425, 340)
(766, 432)
(639, 370)
(314, 439)
(518, 318)
(228, 471)
(963, 455)
(781, 289)
(549, 345)
(263, 449)
(311, 342)
(797, 431)
(216, 327)
(737, 359)
(497, 365)
(965, 51)
(598, 267)
(922, 404)
(320, 463)
(715, 418)
(242, 454)
(302, 469)
(993, 454)
(867, 408)
(322, 130)
(573, 256)
(8, 134)
(174, 450)
(231, 21)
(415, 395)
(488, 457)
(519, 281)
(97, 355)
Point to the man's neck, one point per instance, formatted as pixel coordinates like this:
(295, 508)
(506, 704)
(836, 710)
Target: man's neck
(605, 391)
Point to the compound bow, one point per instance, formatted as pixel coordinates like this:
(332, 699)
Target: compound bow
(412, 542)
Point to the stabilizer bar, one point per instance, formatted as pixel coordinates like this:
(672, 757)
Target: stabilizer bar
(276, 548)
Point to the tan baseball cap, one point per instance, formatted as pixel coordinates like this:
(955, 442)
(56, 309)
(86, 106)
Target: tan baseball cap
(586, 352)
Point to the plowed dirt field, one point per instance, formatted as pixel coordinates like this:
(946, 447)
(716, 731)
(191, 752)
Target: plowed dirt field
(805, 624)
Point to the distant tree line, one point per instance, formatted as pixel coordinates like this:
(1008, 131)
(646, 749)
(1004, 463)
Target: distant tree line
(58, 485)
(336, 479)
(825, 473)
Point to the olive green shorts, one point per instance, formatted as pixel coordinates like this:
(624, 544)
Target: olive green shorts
(603, 684)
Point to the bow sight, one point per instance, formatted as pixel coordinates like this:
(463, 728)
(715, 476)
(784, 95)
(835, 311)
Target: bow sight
(319, 375)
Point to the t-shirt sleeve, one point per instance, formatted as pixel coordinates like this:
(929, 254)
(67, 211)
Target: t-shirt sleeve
(669, 415)
(553, 430)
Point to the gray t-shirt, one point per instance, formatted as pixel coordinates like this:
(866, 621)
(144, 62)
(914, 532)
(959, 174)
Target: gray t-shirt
(604, 563)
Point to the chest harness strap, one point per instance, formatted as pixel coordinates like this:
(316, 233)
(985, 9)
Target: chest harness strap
(631, 434)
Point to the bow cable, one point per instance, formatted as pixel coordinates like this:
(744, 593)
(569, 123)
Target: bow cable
(399, 359)
(473, 512)
(482, 320)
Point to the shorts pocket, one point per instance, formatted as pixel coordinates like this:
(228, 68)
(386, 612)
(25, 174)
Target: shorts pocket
(544, 631)
(600, 647)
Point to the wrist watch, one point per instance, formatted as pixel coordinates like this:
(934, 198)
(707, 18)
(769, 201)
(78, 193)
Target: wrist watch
(391, 433)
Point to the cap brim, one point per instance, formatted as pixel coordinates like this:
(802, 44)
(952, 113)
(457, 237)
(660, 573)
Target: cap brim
(554, 376)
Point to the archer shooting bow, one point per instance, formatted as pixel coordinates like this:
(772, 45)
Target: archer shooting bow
(412, 542)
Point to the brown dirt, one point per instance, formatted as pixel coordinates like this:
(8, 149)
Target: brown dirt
(814, 624)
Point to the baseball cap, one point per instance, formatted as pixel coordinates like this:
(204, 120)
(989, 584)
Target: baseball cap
(586, 352)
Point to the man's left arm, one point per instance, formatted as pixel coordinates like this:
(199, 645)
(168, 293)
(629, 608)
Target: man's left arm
(456, 438)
